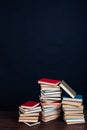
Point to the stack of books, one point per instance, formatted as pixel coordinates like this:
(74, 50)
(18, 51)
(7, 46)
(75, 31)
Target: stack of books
(50, 99)
(29, 113)
(73, 110)
(72, 106)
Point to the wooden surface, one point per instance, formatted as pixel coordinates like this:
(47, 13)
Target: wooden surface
(9, 121)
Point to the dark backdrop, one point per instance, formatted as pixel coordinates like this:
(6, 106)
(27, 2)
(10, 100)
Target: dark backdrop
(41, 39)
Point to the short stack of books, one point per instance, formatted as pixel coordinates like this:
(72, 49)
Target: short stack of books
(29, 113)
(73, 110)
(73, 106)
(50, 99)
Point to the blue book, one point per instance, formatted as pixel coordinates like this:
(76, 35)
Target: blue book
(77, 98)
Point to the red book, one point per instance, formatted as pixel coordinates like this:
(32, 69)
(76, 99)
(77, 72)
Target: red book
(48, 81)
(30, 104)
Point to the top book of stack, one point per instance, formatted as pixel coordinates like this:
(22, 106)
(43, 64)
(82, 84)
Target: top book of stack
(30, 104)
(67, 89)
(48, 81)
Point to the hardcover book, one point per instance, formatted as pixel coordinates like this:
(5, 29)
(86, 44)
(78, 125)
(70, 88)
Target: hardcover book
(23, 110)
(30, 114)
(31, 124)
(50, 88)
(77, 98)
(30, 104)
(27, 120)
(50, 92)
(48, 81)
(74, 119)
(72, 103)
(75, 122)
(67, 89)
(72, 106)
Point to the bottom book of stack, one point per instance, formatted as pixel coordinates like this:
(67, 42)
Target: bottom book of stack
(29, 115)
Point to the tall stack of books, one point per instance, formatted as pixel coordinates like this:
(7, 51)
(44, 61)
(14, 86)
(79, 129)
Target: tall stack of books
(72, 106)
(29, 113)
(50, 99)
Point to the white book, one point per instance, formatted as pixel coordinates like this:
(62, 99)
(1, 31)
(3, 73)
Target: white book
(31, 111)
(72, 99)
(50, 98)
(49, 110)
(67, 89)
(48, 85)
(50, 95)
(74, 119)
(50, 92)
(75, 122)
(32, 124)
(29, 114)
(27, 120)
(27, 109)
(50, 88)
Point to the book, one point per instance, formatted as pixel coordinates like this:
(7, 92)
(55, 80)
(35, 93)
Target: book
(30, 104)
(74, 119)
(72, 109)
(50, 92)
(27, 109)
(55, 105)
(47, 120)
(28, 118)
(72, 106)
(50, 113)
(50, 118)
(74, 116)
(27, 112)
(49, 101)
(31, 124)
(48, 81)
(77, 98)
(51, 98)
(72, 103)
(73, 112)
(50, 88)
(49, 109)
(75, 122)
(51, 104)
(50, 95)
(67, 89)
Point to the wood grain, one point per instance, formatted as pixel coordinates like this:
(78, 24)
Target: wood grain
(9, 121)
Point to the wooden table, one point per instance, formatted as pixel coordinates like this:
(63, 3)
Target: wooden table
(9, 121)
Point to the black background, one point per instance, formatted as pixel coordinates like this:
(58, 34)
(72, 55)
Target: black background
(41, 39)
